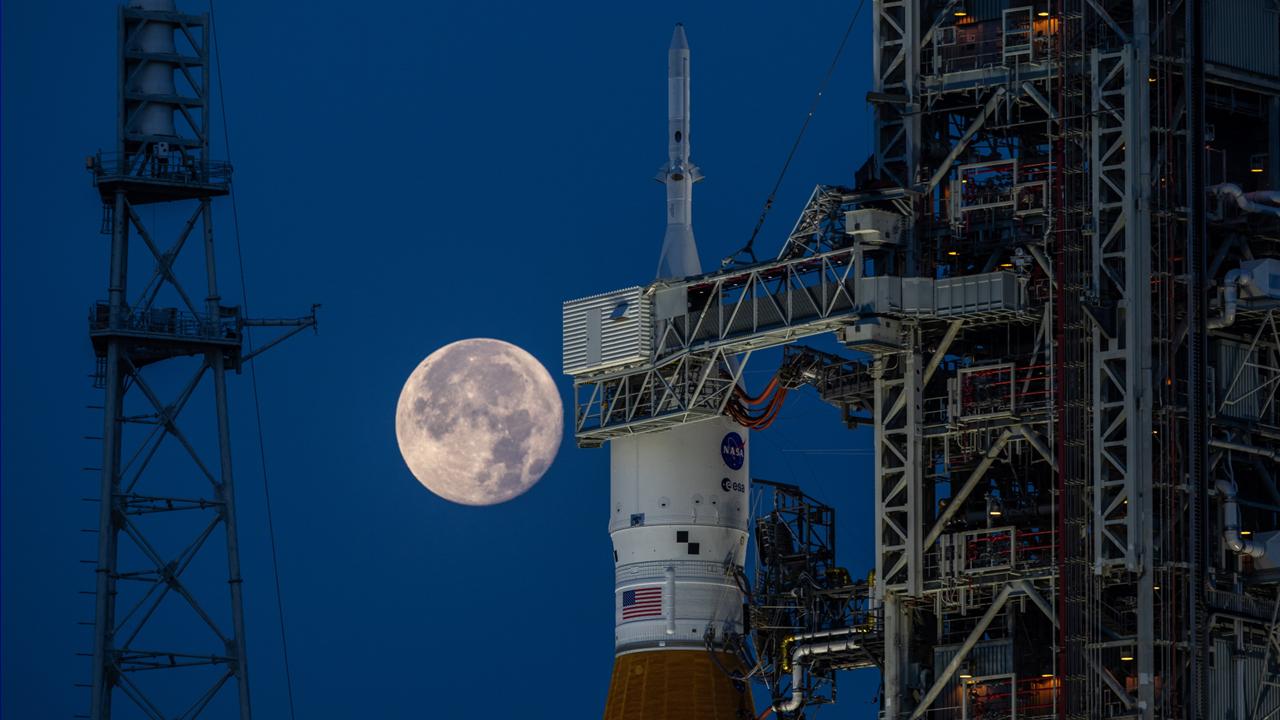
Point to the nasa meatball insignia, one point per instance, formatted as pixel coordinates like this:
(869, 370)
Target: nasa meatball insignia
(731, 449)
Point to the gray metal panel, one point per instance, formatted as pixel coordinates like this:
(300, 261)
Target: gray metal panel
(594, 338)
(1238, 381)
(1243, 34)
(671, 302)
(976, 294)
(1228, 691)
(879, 295)
(593, 335)
(988, 658)
(875, 226)
(917, 296)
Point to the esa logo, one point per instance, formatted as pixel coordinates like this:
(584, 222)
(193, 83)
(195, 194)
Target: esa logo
(732, 450)
(728, 485)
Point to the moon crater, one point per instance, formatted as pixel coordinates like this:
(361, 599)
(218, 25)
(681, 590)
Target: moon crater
(479, 421)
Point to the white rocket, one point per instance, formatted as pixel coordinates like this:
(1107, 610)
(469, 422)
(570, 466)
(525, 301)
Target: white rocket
(678, 521)
(679, 252)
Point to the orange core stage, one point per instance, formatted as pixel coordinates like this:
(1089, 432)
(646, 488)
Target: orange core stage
(676, 685)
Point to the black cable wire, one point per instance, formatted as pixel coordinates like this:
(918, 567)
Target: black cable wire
(253, 370)
(813, 107)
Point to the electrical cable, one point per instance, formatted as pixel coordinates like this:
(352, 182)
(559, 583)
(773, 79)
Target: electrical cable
(253, 369)
(813, 107)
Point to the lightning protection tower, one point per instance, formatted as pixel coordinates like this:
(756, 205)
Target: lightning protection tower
(167, 631)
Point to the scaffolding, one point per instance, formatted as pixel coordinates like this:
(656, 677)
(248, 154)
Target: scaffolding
(168, 626)
(1056, 292)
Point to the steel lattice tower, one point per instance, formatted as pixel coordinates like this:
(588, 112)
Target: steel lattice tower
(162, 160)
(1059, 278)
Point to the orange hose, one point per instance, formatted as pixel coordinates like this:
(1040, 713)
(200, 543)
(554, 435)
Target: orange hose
(756, 400)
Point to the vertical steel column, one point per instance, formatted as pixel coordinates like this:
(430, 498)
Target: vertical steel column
(896, 41)
(112, 414)
(897, 641)
(898, 474)
(899, 527)
(226, 486)
(226, 494)
(1198, 538)
(1139, 329)
(1121, 277)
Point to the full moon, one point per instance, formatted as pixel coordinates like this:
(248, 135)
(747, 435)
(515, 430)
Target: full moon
(479, 421)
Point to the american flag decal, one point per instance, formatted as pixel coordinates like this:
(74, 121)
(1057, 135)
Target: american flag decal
(642, 602)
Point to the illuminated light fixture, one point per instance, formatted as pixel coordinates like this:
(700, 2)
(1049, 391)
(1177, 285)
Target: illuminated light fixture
(1155, 587)
(1006, 265)
(1126, 658)
(1151, 79)
(995, 508)
(1258, 163)
(952, 253)
(1046, 675)
(960, 11)
(1246, 532)
(1044, 13)
(966, 673)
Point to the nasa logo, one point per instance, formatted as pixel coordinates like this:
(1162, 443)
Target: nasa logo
(732, 451)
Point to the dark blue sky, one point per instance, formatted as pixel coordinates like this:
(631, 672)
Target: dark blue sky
(429, 172)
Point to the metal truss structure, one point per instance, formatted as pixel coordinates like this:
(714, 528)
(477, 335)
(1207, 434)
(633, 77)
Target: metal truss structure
(168, 638)
(801, 594)
(1076, 489)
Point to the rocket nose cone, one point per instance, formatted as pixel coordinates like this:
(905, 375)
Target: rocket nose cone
(678, 40)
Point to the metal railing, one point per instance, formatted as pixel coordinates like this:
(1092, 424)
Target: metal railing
(168, 167)
(167, 322)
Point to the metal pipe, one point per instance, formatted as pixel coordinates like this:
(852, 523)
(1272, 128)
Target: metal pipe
(1231, 534)
(1247, 449)
(1244, 201)
(1265, 196)
(807, 650)
(1231, 284)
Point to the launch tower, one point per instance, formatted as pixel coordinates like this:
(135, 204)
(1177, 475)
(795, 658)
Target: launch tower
(1058, 281)
(169, 633)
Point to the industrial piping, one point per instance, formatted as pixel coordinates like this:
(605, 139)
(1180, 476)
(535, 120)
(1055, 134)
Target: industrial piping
(1231, 523)
(1246, 449)
(1248, 202)
(1231, 285)
(803, 651)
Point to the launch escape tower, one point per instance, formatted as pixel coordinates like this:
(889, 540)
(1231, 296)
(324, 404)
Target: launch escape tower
(1058, 279)
(168, 635)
